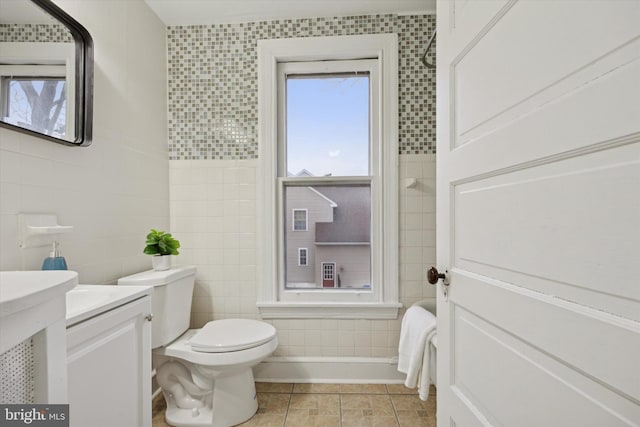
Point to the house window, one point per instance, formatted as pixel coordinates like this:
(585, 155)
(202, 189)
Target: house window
(302, 257)
(329, 154)
(300, 220)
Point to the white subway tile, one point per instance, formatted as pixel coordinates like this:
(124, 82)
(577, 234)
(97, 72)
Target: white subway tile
(383, 352)
(215, 175)
(232, 306)
(231, 240)
(36, 171)
(214, 208)
(247, 240)
(10, 198)
(215, 191)
(246, 192)
(410, 239)
(296, 338)
(346, 351)
(379, 339)
(329, 338)
(10, 170)
(330, 351)
(9, 252)
(231, 192)
(328, 324)
(283, 336)
(362, 340)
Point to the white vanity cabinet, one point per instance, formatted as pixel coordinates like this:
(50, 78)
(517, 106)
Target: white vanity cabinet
(32, 308)
(109, 366)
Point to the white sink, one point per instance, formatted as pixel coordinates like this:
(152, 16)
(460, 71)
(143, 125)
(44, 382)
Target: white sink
(32, 302)
(20, 290)
(85, 301)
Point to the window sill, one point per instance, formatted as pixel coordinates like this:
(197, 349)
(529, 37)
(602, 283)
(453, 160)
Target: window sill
(284, 310)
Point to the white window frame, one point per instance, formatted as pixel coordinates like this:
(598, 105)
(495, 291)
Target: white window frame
(293, 219)
(381, 301)
(306, 257)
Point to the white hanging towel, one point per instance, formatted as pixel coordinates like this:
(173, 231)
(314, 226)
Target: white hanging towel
(417, 329)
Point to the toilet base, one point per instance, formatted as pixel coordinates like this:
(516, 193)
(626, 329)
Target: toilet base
(233, 402)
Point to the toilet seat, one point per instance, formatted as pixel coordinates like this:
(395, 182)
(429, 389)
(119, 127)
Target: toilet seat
(181, 349)
(226, 335)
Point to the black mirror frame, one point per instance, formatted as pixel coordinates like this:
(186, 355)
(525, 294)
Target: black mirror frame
(84, 79)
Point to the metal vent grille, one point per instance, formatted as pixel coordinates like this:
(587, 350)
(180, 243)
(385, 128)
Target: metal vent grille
(17, 374)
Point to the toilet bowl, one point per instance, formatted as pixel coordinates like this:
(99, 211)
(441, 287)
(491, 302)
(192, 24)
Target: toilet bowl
(205, 374)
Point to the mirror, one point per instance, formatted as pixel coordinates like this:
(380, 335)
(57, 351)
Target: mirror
(46, 72)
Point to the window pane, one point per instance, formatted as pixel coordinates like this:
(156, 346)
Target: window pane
(299, 220)
(302, 257)
(337, 239)
(36, 104)
(328, 125)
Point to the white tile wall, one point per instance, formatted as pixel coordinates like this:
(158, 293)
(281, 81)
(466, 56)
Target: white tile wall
(213, 214)
(115, 190)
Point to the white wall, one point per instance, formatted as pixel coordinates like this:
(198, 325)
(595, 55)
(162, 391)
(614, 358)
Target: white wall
(115, 190)
(213, 213)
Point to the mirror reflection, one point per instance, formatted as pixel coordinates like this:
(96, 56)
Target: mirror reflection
(43, 80)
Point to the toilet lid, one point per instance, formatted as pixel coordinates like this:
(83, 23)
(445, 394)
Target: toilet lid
(231, 335)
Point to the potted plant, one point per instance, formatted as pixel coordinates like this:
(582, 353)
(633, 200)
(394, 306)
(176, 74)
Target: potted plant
(161, 245)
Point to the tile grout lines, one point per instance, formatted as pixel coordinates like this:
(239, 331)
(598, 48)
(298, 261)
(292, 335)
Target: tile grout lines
(404, 404)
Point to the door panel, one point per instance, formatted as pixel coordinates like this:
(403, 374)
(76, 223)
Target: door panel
(469, 17)
(578, 338)
(571, 125)
(532, 62)
(538, 213)
(545, 389)
(552, 224)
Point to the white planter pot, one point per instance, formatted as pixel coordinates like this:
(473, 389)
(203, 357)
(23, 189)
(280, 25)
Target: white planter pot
(161, 262)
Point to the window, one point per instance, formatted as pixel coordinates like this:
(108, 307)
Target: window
(35, 97)
(299, 220)
(302, 257)
(35, 103)
(329, 167)
(38, 88)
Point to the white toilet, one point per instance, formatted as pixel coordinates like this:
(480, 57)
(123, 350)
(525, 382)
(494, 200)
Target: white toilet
(205, 374)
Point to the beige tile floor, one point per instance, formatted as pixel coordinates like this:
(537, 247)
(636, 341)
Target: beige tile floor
(329, 405)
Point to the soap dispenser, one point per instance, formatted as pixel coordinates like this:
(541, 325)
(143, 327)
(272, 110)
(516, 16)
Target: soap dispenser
(54, 261)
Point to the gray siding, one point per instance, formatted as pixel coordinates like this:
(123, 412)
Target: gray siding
(318, 210)
(353, 264)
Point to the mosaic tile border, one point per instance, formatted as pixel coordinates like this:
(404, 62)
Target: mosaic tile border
(212, 82)
(35, 33)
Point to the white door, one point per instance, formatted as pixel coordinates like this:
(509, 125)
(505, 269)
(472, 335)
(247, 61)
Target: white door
(328, 274)
(538, 107)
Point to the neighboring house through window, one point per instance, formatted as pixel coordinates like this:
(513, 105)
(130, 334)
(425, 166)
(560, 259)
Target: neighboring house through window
(330, 150)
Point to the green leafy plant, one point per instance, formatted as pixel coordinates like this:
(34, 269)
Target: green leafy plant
(161, 243)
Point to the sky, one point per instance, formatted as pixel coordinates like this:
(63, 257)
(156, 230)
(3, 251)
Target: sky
(328, 126)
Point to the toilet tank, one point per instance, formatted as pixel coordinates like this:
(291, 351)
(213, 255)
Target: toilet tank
(170, 300)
